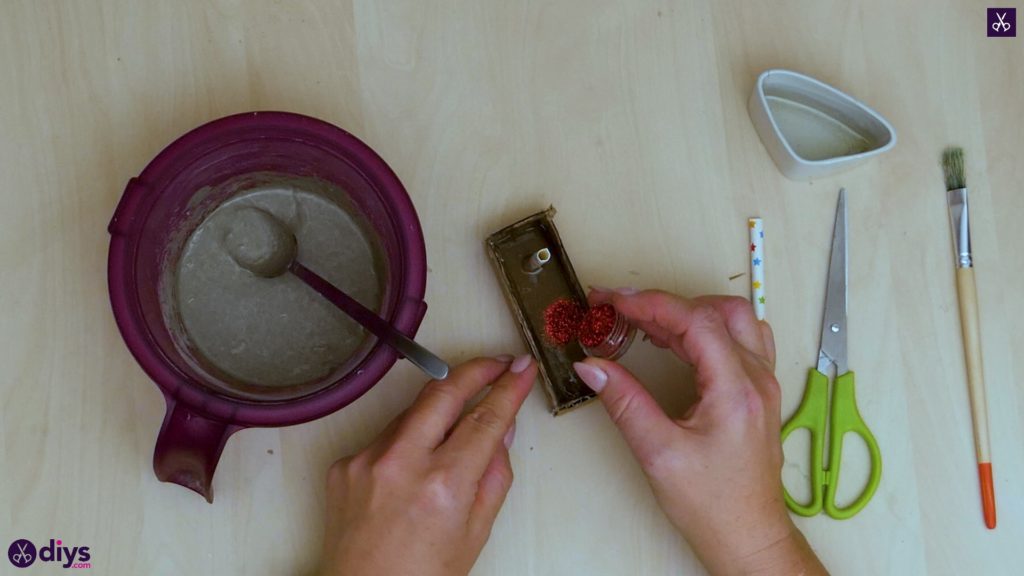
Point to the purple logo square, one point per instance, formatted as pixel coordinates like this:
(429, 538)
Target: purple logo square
(1002, 22)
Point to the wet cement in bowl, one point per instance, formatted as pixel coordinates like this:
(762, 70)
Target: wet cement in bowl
(275, 332)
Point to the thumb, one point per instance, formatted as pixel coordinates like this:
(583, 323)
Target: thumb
(644, 425)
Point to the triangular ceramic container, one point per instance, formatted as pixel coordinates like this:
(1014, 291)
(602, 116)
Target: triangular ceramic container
(812, 129)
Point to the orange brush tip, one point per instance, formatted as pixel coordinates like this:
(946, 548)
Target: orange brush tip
(988, 494)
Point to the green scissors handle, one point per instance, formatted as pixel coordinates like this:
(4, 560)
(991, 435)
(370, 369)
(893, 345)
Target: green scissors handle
(844, 418)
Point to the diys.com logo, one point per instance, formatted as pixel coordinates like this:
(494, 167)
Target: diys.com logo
(23, 553)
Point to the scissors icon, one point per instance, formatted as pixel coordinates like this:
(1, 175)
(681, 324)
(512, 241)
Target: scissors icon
(1001, 25)
(816, 414)
(22, 557)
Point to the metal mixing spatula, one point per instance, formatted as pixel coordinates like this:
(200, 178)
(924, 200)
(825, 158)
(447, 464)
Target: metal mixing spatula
(280, 257)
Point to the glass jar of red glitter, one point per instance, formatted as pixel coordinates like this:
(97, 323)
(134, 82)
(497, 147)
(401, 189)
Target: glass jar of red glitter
(605, 333)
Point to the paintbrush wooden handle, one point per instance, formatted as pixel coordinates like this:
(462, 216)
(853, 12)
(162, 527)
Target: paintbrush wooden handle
(970, 328)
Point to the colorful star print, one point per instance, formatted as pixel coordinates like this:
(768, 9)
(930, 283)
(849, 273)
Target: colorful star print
(757, 266)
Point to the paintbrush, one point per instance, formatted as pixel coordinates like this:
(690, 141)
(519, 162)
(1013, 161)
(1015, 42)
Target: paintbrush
(959, 219)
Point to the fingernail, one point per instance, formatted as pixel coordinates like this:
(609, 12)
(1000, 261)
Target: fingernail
(591, 375)
(506, 358)
(510, 436)
(520, 364)
(626, 291)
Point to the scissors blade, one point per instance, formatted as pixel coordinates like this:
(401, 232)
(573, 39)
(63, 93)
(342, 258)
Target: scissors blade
(833, 324)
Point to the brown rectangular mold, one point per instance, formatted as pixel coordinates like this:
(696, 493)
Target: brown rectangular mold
(529, 295)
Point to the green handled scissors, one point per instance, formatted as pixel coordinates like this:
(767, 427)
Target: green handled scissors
(816, 414)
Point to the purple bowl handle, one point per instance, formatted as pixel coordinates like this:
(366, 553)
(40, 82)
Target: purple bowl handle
(188, 448)
(419, 310)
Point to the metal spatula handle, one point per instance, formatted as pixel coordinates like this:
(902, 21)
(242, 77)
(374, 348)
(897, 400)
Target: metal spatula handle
(423, 359)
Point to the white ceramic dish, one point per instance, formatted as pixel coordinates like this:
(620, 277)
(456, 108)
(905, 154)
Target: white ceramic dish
(812, 129)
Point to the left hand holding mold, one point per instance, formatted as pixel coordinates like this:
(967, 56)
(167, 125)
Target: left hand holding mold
(421, 499)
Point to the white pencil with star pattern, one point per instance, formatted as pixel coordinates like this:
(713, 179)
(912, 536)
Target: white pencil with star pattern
(756, 227)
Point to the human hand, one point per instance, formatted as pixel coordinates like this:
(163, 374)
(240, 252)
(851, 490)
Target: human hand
(421, 499)
(716, 472)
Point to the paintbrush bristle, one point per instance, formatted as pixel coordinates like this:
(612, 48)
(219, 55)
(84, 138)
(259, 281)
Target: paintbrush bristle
(953, 167)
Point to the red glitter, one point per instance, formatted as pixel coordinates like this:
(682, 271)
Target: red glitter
(597, 325)
(562, 321)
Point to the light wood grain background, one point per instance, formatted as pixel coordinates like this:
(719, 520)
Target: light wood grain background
(628, 116)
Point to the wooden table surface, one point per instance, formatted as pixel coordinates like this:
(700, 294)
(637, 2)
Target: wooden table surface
(629, 117)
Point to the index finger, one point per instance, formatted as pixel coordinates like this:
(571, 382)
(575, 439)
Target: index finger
(695, 331)
(478, 435)
(737, 313)
(441, 401)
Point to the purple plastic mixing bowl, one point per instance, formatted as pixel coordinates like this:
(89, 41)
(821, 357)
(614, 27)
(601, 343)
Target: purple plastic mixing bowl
(154, 217)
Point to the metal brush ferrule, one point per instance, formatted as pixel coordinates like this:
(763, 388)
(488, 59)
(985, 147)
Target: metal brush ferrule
(959, 219)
